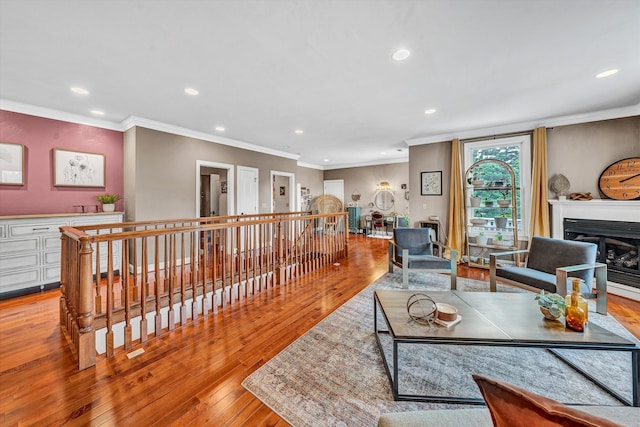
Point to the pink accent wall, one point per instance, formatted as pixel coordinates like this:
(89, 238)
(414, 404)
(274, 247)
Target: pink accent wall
(39, 137)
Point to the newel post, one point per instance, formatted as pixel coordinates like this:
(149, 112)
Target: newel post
(86, 333)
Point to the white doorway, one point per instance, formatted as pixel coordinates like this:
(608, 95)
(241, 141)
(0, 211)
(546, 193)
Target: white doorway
(248, 190)
(226, 201)
(282, 191)
(335, 187)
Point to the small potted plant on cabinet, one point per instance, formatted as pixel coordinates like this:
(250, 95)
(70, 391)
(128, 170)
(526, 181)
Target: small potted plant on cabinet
(108, 201)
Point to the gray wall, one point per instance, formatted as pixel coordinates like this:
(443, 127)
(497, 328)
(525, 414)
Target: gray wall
(581, 152)
(164, 169)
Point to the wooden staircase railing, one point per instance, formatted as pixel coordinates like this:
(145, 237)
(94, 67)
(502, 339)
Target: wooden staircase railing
(122, 283)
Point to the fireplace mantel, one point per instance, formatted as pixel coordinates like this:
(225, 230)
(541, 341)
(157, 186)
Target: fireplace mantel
(600, 209)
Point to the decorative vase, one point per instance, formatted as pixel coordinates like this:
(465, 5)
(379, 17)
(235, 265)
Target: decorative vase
(108, 207)
(582, 303)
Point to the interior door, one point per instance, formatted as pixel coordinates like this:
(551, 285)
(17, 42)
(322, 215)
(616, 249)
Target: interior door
(335, 187)
(247, 190)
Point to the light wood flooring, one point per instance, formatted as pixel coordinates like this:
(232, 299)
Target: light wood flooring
(193, 375)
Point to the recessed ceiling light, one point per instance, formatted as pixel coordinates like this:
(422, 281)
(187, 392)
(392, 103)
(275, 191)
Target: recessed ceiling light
(401, 54)
(97, 112)
(326, 160)
(430, 111)
(298, 131)
(606, 73)
(383, 153)
(191, 91)
(220, 128)
(79, 90)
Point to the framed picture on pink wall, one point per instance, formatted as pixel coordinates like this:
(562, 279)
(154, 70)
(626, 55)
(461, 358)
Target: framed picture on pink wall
(11, 164)
(78, 169)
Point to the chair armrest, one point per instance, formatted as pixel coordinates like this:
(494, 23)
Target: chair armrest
(493, 265)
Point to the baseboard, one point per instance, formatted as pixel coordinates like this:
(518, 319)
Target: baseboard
(623, 291)
(28, 291)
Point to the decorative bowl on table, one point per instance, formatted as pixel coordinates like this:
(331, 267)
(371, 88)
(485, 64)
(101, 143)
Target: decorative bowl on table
(549, 315)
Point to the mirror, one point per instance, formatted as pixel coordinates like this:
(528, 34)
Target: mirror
(384, 200)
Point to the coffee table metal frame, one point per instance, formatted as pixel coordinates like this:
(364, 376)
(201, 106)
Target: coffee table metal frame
(507, 342)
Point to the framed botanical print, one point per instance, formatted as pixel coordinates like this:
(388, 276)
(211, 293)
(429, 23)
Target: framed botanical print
(431, 183)
(11, 164)
(78, 169)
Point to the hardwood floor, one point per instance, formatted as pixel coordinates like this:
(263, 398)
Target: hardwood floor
(191, 376)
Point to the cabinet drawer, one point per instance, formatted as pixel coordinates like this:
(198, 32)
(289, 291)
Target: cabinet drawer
(18, 230)
(51, 274)
(27, 244)
(52, 243)
(19, 279)
(16, 262)
(52, 258)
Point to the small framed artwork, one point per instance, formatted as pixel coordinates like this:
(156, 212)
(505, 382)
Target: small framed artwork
(78, 169)
(11, 164)
(223, 187)
(282, 191)
(431, 183)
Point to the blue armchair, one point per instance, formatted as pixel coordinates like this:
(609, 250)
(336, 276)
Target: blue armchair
(412, 249)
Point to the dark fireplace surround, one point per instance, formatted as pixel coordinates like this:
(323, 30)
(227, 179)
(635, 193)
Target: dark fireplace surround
(618, 246)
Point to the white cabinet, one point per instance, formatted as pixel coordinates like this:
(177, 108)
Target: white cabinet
(30, 249)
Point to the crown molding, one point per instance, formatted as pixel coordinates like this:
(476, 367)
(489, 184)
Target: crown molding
(132, 121)
(49, 113)
(615, 113)
(404, 159)
(309, 165)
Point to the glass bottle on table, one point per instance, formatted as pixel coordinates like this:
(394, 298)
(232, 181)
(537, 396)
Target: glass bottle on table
(575, 317)
(582, 302)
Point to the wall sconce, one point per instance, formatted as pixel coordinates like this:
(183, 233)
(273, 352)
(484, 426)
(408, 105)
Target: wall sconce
(383, 186)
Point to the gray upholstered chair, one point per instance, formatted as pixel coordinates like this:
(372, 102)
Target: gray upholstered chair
(549, 262)
(412, 249)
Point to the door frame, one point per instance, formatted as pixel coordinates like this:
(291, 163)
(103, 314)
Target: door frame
(230, 184)
(292, 188)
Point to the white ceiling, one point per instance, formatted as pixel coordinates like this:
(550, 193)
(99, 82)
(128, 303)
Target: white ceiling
(266, 68)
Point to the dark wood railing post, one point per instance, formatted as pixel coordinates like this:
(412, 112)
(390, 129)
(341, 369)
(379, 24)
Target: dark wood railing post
(86, 332)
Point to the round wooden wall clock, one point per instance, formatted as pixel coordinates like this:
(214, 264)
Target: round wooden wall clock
(621, 179)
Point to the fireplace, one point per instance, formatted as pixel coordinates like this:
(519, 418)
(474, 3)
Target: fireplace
(618, 246)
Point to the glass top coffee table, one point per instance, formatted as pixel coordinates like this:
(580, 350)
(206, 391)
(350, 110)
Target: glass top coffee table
(489, 319)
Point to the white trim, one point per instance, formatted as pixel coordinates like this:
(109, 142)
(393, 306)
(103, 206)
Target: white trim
(48, 113)
(292, 189)
(309, 165)
(230, 184)
(178, 130)
(615, 113)
(404, 159)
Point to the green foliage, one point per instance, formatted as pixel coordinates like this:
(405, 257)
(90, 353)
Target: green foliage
(108, 199)
(552, 302)
(499, 236)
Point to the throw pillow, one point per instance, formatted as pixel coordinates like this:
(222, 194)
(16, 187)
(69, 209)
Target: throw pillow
(512, 406)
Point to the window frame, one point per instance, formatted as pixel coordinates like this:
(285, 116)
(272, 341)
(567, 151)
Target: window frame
(524, 142)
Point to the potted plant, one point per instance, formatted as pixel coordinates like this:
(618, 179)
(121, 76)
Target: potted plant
(403, 221)
(481, 239)
(108, 201)
(552, 306)
(501, 221)
(474, 201)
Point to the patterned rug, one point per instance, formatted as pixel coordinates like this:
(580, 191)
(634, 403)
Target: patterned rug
(334, 375)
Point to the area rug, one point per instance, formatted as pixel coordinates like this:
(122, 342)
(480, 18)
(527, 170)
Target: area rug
(334, 375)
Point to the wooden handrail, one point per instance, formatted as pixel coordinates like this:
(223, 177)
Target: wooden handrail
(115, 275)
